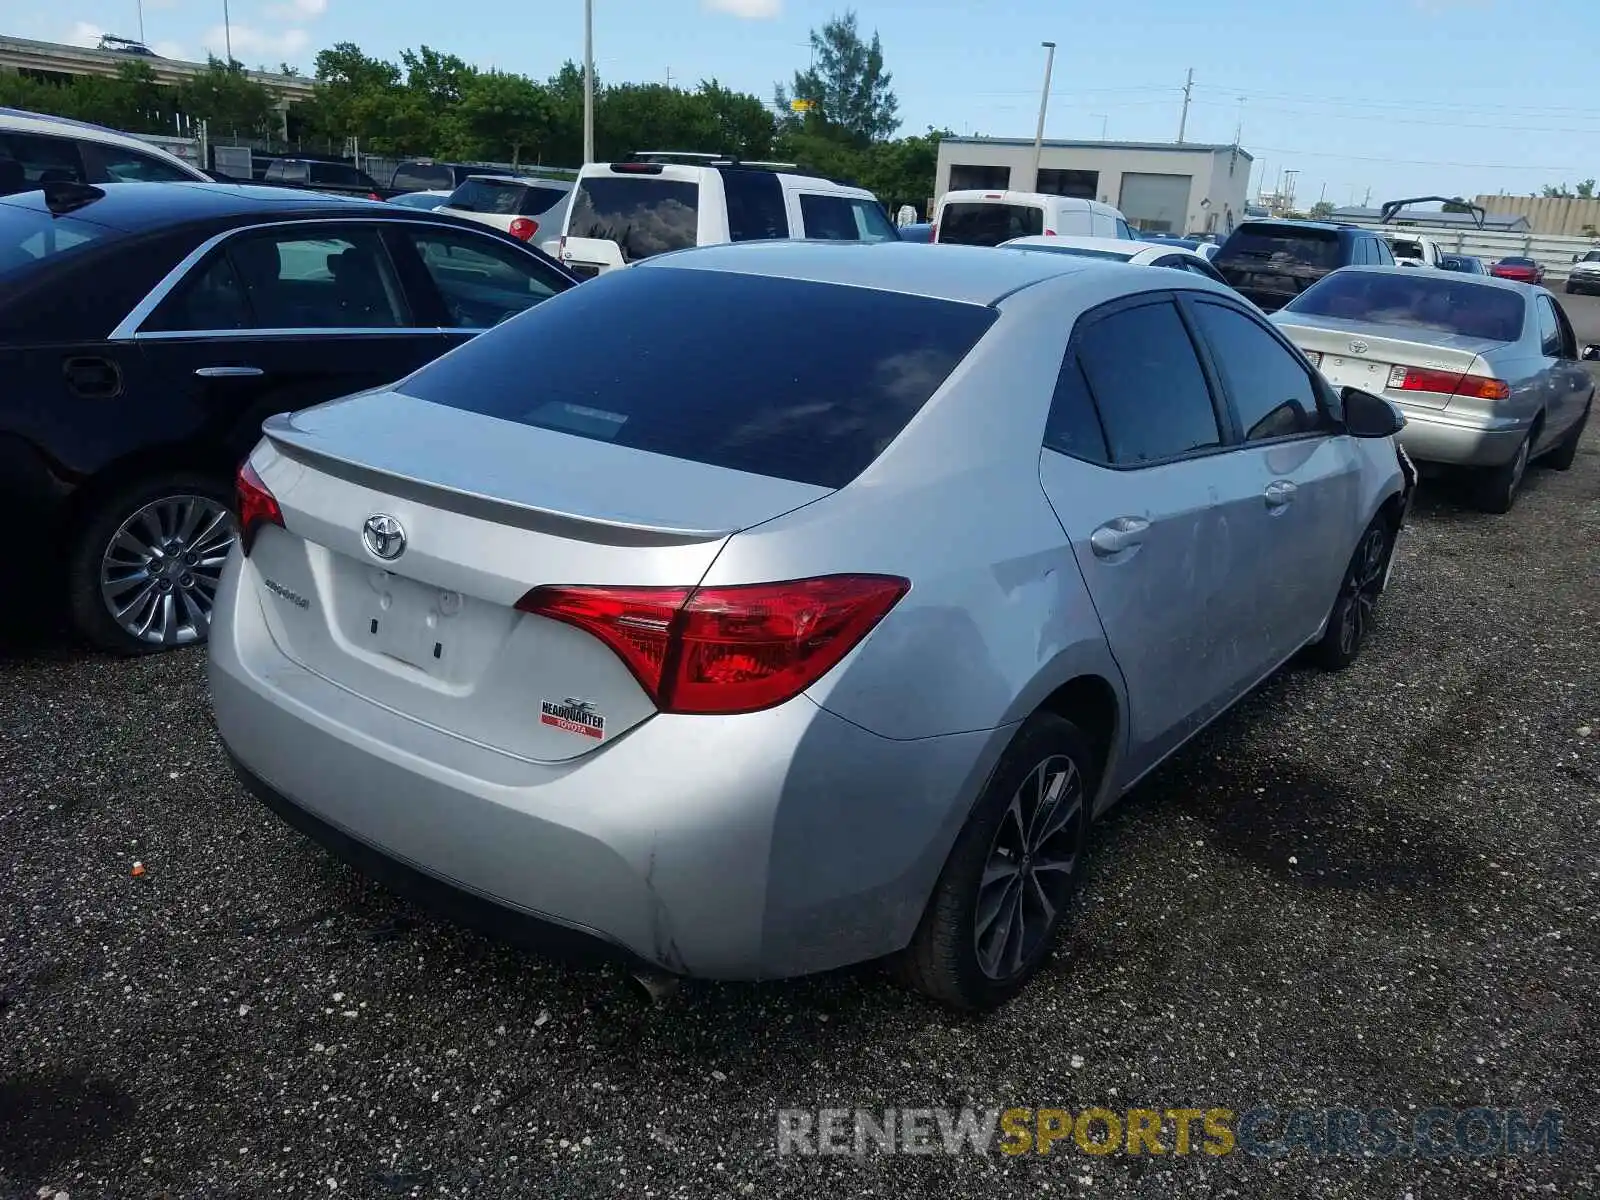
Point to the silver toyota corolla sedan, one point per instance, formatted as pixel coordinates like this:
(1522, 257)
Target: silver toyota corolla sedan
(1487, 371)
(767, 608)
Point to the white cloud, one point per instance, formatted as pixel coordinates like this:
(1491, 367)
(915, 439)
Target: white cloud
(299, 10)
(171, 50)
(251, 44)
(84, 33)
(748, 10)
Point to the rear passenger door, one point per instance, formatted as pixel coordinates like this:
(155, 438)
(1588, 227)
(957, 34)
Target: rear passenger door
(1138, 467)
(1303, 473)
(1569, 385)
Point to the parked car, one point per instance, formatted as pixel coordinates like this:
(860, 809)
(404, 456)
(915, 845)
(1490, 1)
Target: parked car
(979, 218)
(749, 661)
(427, 201)
(625, 212)
(1139, 254)
(530, 210)
(1585, 273)
(1414, 250)
(1272, 262)
(36, 148)
(1464, 264)
(1523, 270)
(146, 330)
(1487, 372)
(1205, 249)
(333, 178)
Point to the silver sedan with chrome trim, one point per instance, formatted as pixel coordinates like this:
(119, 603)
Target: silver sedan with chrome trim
(1488, 371)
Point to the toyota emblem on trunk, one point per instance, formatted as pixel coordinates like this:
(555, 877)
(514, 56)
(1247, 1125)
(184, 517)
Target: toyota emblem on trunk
(1358, 347)
(384, 536)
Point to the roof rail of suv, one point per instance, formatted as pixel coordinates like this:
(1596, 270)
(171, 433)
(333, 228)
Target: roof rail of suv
(729, 161)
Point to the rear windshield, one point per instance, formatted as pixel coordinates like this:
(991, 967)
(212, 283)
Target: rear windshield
(1276, 246)
(29, 236)
(979, 224)
(422, 177)
(503, 197)
(643, 214)
(1417, 299)
(750, 372)
(1405, 249)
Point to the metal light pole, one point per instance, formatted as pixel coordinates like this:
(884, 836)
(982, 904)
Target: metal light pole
(141, 21)
(1105, 122)
(1044, 103)
(227, 32)
(588, 81)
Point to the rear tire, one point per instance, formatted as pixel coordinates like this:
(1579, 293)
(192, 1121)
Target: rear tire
(1357, 603)
(1561, 458)
(997, 906)
(1495, 489)
(154, 549)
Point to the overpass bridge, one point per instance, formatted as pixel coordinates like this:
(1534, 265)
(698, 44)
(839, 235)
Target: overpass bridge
(53, 58)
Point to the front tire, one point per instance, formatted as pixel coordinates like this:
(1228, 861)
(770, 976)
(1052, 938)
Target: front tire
(143, 571)
(1357, 603)
(998, 903)
(1495, 488)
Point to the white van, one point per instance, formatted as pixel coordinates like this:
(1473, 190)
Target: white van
(658, 201)
(989, 218)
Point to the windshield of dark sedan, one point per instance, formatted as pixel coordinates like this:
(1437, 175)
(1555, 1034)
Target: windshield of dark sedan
(748, 372)
(30, 235)
(1416, 299)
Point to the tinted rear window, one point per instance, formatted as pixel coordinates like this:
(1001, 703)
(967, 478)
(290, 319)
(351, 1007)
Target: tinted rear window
(643, 214)
(980, 224)
(418, 177)
(771, 376)
(1278, 246)
(1405, 249)
(30, 236)
(1421, 300)
(503, 197)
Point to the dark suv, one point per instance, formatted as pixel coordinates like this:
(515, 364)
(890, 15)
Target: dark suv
(315, 175)
(1272, 262)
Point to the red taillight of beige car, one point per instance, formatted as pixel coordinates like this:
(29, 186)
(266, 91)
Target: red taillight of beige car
(726, 649)
(256, 506)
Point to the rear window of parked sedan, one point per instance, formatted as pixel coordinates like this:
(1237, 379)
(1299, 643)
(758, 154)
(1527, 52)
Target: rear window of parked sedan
(1279, 246)
(771, 376)
(1423, 301)
(31, 235)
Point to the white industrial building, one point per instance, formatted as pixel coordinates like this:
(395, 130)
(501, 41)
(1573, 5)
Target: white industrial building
(1161, 187)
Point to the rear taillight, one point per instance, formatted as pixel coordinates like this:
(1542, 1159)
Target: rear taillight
(374, 196)
(524, 228)
(726, 649)
(256, 505)
(933, 234)
(1449, 383)
(1050, 233)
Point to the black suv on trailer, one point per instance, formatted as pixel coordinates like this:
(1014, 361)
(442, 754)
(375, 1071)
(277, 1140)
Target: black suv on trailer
(1272, 262)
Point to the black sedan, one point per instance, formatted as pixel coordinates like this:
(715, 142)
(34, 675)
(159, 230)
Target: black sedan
(146, 331)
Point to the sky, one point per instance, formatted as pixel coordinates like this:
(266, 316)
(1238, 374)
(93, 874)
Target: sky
(1396, 97)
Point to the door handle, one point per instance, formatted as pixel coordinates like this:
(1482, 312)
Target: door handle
(1117, 535)
(1279, 493)
(228, 372)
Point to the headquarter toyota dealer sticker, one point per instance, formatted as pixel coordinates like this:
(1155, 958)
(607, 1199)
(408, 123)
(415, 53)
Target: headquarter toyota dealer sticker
(572, 716)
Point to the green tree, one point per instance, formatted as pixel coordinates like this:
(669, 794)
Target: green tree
(502, 116)
(228, 100)
(741, 123)
(848, 85)
(354, 97)
(1322, 210)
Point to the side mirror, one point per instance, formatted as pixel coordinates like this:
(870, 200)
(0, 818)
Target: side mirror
(1576, 257)
(1369, 416)
(1591, 353)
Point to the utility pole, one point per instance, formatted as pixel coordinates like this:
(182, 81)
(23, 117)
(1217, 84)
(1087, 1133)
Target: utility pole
(1238, 129)
(1183, 121)
(227, 32)
(1368, 201)
(1289, 176)
(1104, 122)
(1044, 103)
(588, 81)
(669, 76)
(141, 22)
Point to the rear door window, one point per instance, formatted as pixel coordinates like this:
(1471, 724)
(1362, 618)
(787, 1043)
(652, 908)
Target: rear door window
(1381, 253)
(1273, 395)
(118, 165)
(756, 211)
(1549, 329)
(44, 159)
(976, 223)
(645, 215)
(1147, 383)
(781, 383)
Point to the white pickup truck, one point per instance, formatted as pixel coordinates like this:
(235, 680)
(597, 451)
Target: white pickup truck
(1414, 250)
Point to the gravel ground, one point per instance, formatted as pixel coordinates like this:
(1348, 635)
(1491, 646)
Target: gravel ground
(1374, 890)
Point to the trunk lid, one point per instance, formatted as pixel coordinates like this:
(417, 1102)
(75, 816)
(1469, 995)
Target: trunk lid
(433, 632)
(1362, 355)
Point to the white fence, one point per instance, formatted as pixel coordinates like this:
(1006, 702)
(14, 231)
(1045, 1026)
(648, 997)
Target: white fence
(1552, 251)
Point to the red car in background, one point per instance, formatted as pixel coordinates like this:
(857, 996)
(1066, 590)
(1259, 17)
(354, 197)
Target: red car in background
(1523, 270)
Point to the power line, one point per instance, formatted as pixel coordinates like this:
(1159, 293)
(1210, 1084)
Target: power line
(1408, 161)
(1391, 120)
